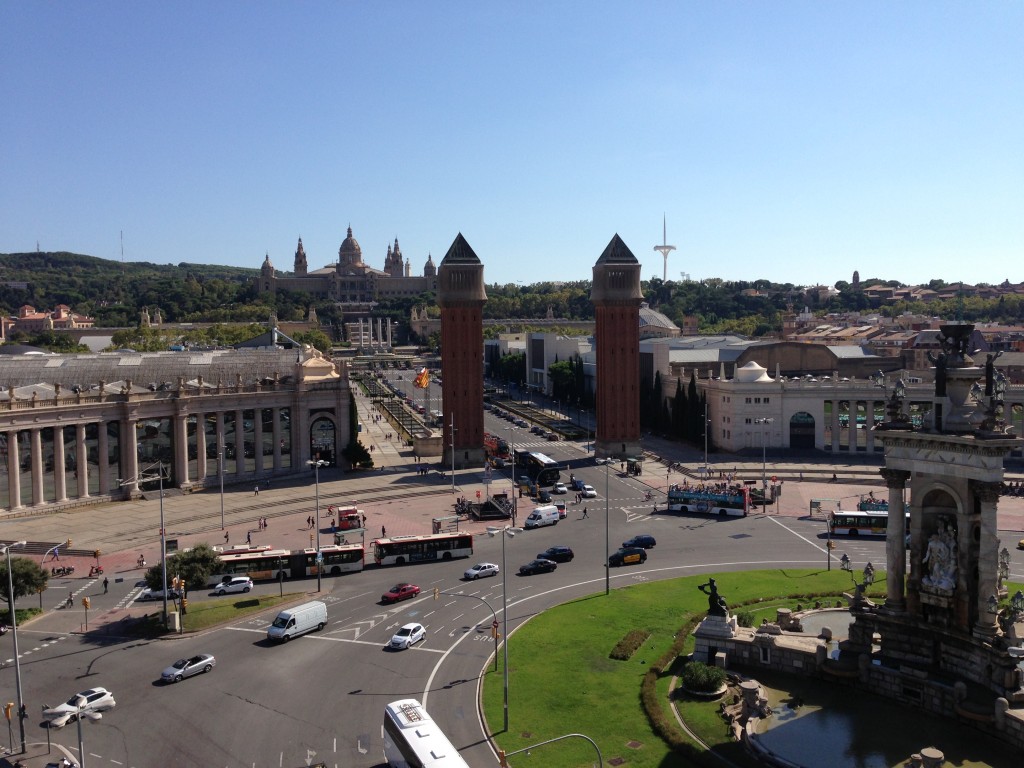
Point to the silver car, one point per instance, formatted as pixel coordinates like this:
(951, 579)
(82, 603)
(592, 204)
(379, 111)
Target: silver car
(407, 635)
(183, 668)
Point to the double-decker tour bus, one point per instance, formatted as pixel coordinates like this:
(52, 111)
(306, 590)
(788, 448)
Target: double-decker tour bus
(871, 504)
(539, 467)
(413, 740)
(399, 550)
(338, 559)
(734, 500)
(495, 446)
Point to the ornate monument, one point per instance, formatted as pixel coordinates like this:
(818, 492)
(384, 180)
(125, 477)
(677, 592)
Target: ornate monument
(938, 633)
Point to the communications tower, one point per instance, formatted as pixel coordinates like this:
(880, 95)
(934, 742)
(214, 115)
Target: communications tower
(665, 249)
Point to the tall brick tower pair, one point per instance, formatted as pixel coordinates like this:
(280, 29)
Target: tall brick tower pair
(616, 296)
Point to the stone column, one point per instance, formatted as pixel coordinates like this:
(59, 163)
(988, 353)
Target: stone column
(895, 536)
(239, 443)
(180, 429)
(130, 455)
(219, 429)
(835, 426)
(988, 556)
(201, 447)
(36, 437)
(103, 448)
(82, 461)
(13, 471)
(257, 439)
(276, 429)
(60, 488)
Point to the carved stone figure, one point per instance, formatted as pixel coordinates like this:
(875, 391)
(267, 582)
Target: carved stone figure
(939, 361)
(716, 603)
(990, 372)
(941, 559)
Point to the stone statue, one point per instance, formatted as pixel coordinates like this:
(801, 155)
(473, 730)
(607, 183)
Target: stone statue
(990, 372)
(1003, 570)
(716, 603)
(941, 559)
(939, 361)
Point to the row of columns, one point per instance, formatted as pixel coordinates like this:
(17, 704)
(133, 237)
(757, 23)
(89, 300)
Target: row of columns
(129, 455)
(383, 335)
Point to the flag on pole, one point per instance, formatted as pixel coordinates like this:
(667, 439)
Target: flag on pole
(422, 380)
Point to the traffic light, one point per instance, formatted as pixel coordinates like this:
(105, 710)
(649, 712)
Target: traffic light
(7, 709)
(96, 554)
(86, 602)
(184, 604)
(437, 593)
(68, 545)
(501, 759)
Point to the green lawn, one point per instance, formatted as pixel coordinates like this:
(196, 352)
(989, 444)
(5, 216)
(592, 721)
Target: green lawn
(561, 679)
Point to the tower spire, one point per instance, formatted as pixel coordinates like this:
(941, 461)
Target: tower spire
(665, 249)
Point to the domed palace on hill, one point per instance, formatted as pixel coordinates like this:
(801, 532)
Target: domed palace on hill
(350, 280)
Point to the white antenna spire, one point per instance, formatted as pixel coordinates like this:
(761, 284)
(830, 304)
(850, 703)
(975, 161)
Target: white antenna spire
(665, 249)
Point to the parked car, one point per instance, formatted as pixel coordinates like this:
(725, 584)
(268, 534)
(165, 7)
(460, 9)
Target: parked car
(543, 497)
(480, 570)
(628, 556)
(92, 700)
(643, 540)
(158, 594)
(589, 492)
(537, 566)
(183, 668)
(559, 488)
(557, 554)
(537, 430)
(401, 591)
(553, 436)
(599, 460)
(236, 584)
(407, 636)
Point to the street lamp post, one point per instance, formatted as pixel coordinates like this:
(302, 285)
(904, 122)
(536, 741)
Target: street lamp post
(506, 532)
(515, 488)
(79, 701)
(220, 471)
(764, 462)
(607, 537)
(14, 633)
(163, 531)
(316, 464)
(707, 423)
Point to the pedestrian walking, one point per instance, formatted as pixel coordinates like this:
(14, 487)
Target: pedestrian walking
(227, 536)
(248, 538)
(383, 532)
(585, 512)
(256, 491)
(105, 585)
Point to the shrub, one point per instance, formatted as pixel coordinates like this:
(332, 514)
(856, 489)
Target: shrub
(745, 618)
(630, 644)
(698, 676)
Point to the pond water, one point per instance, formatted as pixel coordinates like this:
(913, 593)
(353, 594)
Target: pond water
(814, 723)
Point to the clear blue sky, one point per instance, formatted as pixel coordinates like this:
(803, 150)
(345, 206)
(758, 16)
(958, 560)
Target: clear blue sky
(783, 140)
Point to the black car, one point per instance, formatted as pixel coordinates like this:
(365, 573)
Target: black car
(628, 556)
(643, 540)
(544, 497)
(557, 554)
(538, 566)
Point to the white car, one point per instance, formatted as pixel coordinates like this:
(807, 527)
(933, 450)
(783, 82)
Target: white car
(589, 492)
(599, 460)
(158, 594)
(559, 488)
(481, 569)
(407, 635)
(92, 700)
(236, 584)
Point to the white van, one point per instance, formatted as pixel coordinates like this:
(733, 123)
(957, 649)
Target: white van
(542, 516)
(298, 621)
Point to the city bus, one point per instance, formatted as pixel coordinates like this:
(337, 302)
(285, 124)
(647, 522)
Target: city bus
(338, 559)
(399, 550)
(858, 523)
(732, 501)
(541, 469)
(413, 740)
(262, 564)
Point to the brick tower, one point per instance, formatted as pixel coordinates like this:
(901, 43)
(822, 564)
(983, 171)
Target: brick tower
(616, 296)
(461, 296)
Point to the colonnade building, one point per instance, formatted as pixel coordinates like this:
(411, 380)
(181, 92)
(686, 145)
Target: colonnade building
(79, 429)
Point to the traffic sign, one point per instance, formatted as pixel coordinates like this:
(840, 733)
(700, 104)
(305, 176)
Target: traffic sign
(319, 557)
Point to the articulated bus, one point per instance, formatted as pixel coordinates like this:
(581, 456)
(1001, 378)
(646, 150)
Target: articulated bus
(873, 523)
(264, 563)
(400, 550)
(413, 740)
(541, 468)
(734, 501)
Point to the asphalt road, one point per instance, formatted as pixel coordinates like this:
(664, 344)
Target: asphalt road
(321, 697)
